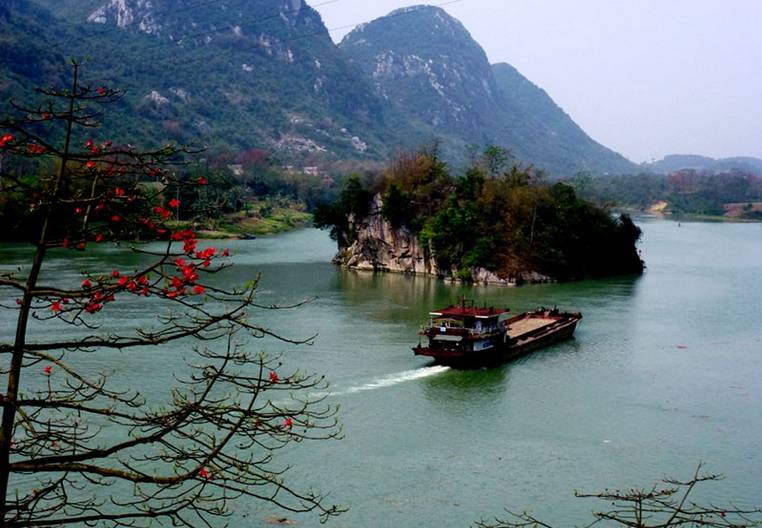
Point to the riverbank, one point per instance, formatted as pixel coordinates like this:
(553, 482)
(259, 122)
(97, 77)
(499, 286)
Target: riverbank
(683, 217)
(258, 219)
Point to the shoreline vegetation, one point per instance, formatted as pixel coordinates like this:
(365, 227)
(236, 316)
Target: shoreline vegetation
(688, 193)
(251, 222)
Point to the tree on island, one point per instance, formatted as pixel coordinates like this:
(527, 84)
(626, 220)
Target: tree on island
(499, 217)
(78, 448)
(668, 504)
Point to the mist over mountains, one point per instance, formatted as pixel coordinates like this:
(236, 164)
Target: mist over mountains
(265, 74)
(680, 162)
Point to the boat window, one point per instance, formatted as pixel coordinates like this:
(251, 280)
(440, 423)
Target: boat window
(448, 323)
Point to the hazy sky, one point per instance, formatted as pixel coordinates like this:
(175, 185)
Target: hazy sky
(644, 77)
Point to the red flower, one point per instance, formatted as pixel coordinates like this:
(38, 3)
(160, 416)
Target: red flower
(206, 254)
(288, 422)
(92, 307)
(203, 473)
(56, 306)
(90, 164)
(33, 148)
(115, 274)
(116, 218)
(78, 210)
(274, 377)
(174, 203)
(99, 238)
(159, 210)
(48, 370)
(202, 181)
(226, 253)
(7, 138)
(86, 283)
(119, 192)
(123, 280)
(46, 115)
(198, 290)
(101, 90)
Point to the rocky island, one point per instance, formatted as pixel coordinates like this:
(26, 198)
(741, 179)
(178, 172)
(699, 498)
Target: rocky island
(498, 223)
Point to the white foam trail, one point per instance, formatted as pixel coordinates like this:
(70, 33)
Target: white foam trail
(394, 379)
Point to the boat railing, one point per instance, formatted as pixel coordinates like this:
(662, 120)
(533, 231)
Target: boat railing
(454, 330)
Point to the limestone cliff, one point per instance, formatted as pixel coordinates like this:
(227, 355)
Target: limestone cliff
(378, 246)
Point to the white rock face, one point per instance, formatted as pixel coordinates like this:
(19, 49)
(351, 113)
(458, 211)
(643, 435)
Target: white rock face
(156, 98)
(358, 144)
(125, 13)
(181, 94)
(297, 143)
(381, 247)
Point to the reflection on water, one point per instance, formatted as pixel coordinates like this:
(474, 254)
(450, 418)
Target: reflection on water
(402, 291)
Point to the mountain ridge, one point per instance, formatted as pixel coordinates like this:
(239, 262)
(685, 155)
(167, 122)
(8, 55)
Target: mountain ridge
(428, 64)
(241, 74)
(678, 162)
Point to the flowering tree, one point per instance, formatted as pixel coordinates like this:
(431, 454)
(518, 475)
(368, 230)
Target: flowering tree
(76, 449)
(665, 505)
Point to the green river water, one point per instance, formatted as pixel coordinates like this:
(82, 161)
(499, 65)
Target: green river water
(665, 371)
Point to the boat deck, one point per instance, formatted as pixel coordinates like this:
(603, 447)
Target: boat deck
(527, 325)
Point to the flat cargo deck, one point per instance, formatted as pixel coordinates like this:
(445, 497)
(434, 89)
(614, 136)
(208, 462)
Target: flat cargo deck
(529, 324)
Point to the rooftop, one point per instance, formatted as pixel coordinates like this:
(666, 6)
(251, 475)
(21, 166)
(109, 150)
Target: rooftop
(469, 311)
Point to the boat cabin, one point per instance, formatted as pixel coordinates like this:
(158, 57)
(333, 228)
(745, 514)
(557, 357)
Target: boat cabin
(465, 328)
(478, 320)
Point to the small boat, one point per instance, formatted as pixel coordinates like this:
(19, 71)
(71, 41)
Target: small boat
(466, 335)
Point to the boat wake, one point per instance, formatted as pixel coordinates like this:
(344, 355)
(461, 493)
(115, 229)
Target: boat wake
(393, 379)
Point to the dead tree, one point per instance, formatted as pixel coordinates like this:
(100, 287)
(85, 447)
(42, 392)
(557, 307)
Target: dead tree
(670, 503)
(77, 449)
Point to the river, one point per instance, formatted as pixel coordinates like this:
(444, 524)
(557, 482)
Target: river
(665, 371)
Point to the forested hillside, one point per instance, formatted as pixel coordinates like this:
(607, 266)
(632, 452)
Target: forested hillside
(233, 75)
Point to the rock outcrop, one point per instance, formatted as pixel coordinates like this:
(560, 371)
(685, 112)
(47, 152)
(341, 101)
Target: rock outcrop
(378, 246)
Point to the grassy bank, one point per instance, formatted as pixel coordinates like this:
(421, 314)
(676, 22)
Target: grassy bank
(262, 217)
